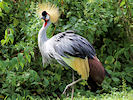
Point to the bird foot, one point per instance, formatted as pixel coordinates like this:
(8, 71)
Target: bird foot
(71, 84)
(66, 88)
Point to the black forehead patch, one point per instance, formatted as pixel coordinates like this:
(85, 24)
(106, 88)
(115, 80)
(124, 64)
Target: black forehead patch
(44, 13)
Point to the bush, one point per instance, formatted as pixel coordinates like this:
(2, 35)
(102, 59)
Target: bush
(107, 24)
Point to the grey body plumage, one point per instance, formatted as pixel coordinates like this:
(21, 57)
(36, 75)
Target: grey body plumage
(63, 44)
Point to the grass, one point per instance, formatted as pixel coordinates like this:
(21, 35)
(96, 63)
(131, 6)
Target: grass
(125, 95)
(113, 96)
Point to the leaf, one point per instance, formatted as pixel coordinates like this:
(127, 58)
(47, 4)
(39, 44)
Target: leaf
(131, 26)
(32, 53)
(1, 4)
(28, 57)
(119, 12)
(26, 52)
(57, 77)
(129, 79)
(117, 64)
(54, 94)
(1, 14)
(109, 60)
(6, 40)
(15, 62)
(122, 3)
(21, 60)
(118, 53)
(109, 67)
(5, 7)
(69, 14)
(26, 76)
(15, 22)
(3, 42)
(115, 79)
(126, 54)
(46, 82)
(11, 38)
(11, 30)
(104, 28)
(6, 33)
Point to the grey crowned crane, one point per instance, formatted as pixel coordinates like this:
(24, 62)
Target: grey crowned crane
(69, 49)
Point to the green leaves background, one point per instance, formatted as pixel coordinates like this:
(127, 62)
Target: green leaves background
(107, 24)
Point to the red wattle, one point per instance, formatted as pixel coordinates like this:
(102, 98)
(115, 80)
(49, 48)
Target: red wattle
(45, 23)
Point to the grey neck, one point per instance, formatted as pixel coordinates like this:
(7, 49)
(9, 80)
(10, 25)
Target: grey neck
(42, 36)
(42, 33)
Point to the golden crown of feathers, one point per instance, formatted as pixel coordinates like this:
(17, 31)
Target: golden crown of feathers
(51, 9)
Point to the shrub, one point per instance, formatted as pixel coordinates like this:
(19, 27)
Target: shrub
(107, 24)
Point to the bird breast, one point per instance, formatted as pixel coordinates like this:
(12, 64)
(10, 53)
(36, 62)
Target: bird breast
(47, 51)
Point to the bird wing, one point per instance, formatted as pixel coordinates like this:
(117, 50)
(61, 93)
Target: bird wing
(68, 43)
(74, 51)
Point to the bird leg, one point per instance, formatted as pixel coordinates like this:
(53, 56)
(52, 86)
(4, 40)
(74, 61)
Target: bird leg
(71, 85)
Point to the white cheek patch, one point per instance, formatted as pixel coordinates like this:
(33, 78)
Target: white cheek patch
(47, 17)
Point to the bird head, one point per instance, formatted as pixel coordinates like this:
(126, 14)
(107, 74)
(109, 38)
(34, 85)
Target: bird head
(49, 12)
(45, 16)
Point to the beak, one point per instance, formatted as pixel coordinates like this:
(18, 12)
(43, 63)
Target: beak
(42, 17)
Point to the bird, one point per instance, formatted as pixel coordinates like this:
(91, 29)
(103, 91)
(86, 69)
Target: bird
(69, 49)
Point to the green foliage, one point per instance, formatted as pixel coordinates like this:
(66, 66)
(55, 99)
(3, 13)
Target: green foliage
(107, 24)
(113, 96)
